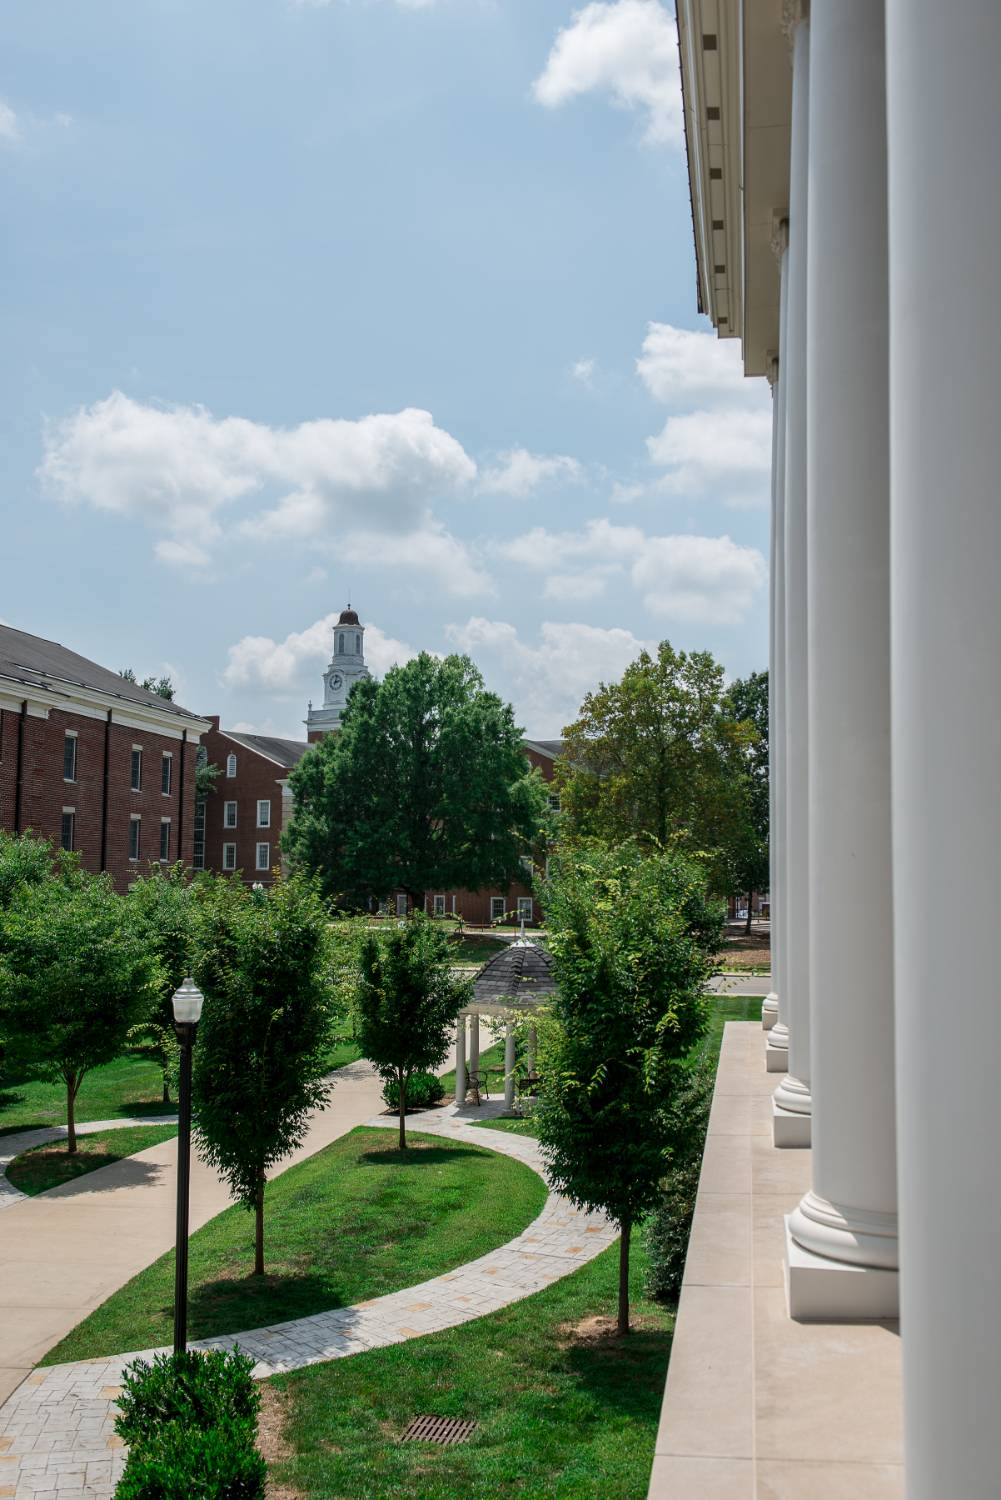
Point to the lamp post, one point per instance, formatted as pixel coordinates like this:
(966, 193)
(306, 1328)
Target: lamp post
(188, 1001)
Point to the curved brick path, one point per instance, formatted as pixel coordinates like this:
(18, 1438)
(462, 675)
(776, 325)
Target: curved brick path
(57, 1439)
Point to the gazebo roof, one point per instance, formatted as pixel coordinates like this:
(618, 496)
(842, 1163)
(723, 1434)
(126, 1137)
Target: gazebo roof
(520, 975)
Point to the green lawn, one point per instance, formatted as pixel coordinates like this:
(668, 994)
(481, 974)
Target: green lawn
(564, 1409)
(46, 1167)
(127, 1086)
(492, 1059)
(356, 1220)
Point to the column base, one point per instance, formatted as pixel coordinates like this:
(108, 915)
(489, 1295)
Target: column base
(819, 1290)
(776, 1058)
(790, 1128)
(769, 1011)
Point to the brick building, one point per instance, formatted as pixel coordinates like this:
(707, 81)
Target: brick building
(93, 762)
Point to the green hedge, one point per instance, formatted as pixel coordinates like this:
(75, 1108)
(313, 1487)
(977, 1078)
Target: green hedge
(423, 1090)
(669, 1226)
(190, 1421)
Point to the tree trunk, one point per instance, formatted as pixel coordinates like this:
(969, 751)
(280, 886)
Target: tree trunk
(259, 1226)
(72, 1084)
(747, 929)
(623, 1324)
(403, 1114)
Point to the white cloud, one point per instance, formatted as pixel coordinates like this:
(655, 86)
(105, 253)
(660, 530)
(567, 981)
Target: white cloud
(683, 366)
(628, 48)
(179, 468)
(727, 450)
(584, 370)
(547, 680)
(10, 130)
(519, 472)
(292, 667)
(600, 542)
(428, 553)
(574, 588)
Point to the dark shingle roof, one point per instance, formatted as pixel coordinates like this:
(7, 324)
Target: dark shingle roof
(521, 973)
(287, 753)
(548, 747)
(38, 663)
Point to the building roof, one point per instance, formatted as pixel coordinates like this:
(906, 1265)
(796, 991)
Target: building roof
(287, 753)
(520, 974)
(348, 617)
(34, 663)
(552, 748)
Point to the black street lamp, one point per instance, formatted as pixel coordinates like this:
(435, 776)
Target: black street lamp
(188, 1001)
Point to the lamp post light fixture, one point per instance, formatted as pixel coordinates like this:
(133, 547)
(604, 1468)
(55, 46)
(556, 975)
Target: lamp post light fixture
(188, 1001)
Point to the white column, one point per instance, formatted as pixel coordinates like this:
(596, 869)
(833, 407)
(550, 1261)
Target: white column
(842, 1244)
(474, 1044)
(770, 1004)
(509, 1066)
(777, 1025)
(460, 1059)
(792, 1097)
(944, 157)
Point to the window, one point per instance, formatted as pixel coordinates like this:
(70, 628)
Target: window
(166, 772)
(68, 833)
(524, 908)
(135, 826)
(198, 851)
(164, 840)
(229, 856)
(401, 906)
(69, 761)
(231, 765)
(264, 814)
(264, 856)
(137, 768)
(229, 815)
(554, 801)
(357, 645)
(498, 906)
(340, 646)
(439, 906)
(529, 868)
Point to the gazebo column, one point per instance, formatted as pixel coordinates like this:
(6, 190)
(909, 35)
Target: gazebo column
(474, 1043)
(773, 1011)
(944, 172)
(460, 1059)
(509, 1066)
(791, 1106)
(841, 1248)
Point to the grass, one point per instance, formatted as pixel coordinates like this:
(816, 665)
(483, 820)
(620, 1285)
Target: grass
(44, 1167)
(491, 1062)
(127, 1086)
(564, 1409)
(342, 1052)
(477, 949)
(356, 1220)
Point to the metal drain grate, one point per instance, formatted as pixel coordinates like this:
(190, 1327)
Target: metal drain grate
(441, 1430)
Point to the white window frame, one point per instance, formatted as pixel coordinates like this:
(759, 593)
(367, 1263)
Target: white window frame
(135, 823)
(71, 734)
(265, 821)
(226, 821)
(134, 784)
(554, 801)
(266, 863)
(528, 865)
(167, 773)
(231, 765)
(164, 858)
(526, 909)
(496, 901)
(401, 904)
(68, 812)
(439, 906)
(229, 858)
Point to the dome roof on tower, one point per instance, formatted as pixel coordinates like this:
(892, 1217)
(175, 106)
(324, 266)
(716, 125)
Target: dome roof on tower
(348, 617)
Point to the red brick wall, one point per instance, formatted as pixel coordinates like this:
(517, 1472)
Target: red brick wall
(256, 779)
(45, 793)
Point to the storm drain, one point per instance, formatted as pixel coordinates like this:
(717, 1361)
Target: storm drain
(441, 1430)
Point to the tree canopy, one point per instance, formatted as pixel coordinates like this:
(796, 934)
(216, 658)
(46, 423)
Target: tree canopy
(162, 905)
(633, 939)
(747, 702)
(425, 787)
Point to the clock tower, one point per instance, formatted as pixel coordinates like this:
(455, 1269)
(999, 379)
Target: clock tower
(347, 666)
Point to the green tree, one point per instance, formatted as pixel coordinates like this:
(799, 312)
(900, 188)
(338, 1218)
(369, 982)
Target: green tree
(657, 756)
(162, 905)
(633, 939)
(24, 860)
(426, 787)
(259, 1060)
(747, 702)
(74, 976)
(406, 1003)
(161, 686)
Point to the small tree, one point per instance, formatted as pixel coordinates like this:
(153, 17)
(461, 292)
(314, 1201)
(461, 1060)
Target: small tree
(74, 976)
(24, 860)
(259, 1061)
(406, 1003)
(633, 940)
(162, 906)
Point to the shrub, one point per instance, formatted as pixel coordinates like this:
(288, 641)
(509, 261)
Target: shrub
(423, 1090)
(670, 1224)
(191, 1423)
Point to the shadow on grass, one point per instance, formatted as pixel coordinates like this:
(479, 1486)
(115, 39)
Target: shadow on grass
(231, 1304)
(625, 1373)
(129, 1172)
(415, 1155)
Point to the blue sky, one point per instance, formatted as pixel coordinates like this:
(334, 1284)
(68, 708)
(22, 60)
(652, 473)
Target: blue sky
(395, 298)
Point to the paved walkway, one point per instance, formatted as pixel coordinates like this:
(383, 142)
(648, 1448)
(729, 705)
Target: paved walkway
(12, 1146)
(741, 984)
(57, 1439)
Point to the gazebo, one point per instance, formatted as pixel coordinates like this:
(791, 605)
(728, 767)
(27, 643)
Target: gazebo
(520, 978)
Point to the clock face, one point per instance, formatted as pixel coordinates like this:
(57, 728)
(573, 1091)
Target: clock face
(336, 680)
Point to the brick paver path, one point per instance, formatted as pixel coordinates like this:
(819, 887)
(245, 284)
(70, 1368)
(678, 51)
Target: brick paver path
(57, 1439)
